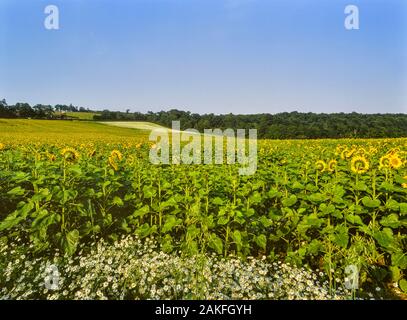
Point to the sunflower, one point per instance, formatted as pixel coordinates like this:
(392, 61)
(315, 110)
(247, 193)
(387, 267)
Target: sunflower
(395, 162)
(359, 164)
(339, 149)
(384, 162)
(70, 154)
(404, 185)
(115, 156)
(372, 150)
(51, 157)
(320, 165)
(332, 165)
(393, 151)
(349, 153)
(343, 153)
(130, 160)
(2, 146)
(360, 152)
(91, 153)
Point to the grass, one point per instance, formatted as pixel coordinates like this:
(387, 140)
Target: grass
(80, 115)
(141, 125)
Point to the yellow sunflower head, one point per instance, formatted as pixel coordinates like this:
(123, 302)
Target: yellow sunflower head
(51, 157)
(395, 162)
(360, 152)
(339, 149)
(130, 160)
(372, 150)
(2, 146)
(70, 154)
(349, 153)
(404, 185)
(320, 165)
(116, 154)
(393, 151)
(332, 165)
(343, 153)
(359, 164)
(92, 153)
(384, 162)
(114, 157)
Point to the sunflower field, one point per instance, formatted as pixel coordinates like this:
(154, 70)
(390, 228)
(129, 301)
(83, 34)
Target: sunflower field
(318, 205)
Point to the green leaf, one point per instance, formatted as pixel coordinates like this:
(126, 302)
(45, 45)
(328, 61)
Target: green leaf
(141, 212)
(69, 242)
(45, 219)
(399, 259)
(384, 237)
(395, 273)
(148, 191)
(314, 247)
(237, 238)
(217, 201)
(392, 205)
(166, 244)
(290, 201)
(403, 285)
(297, 186)
(386, 186)
(144, 230)
(265, 221)
(354, 219)
(17, 191)
(274, 193)
(76, 170)
(16, 217)
(223, 220)
(392, 221)
(360, 186)
(341, 236)
(326, 209)
(312, 220)
(261, 241)
(215, 243)
(256, 198)
(170, 223)
(117, 201)
(317, 197)
(370, 203)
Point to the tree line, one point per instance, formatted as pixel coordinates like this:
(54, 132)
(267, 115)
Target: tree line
(39, 111)
(292, 125)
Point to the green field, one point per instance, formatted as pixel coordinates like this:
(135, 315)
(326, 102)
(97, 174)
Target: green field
(78, 115)
(64, 131)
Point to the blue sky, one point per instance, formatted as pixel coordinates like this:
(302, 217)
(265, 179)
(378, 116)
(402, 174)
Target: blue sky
(220, 56)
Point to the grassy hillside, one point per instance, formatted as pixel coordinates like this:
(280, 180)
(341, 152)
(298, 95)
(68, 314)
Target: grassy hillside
(141, 125)
(80, 115)
(66, 131)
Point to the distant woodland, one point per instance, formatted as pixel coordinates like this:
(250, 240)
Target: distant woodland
(293, 125)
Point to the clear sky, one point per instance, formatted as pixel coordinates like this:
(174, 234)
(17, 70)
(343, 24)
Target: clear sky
(220, 56)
